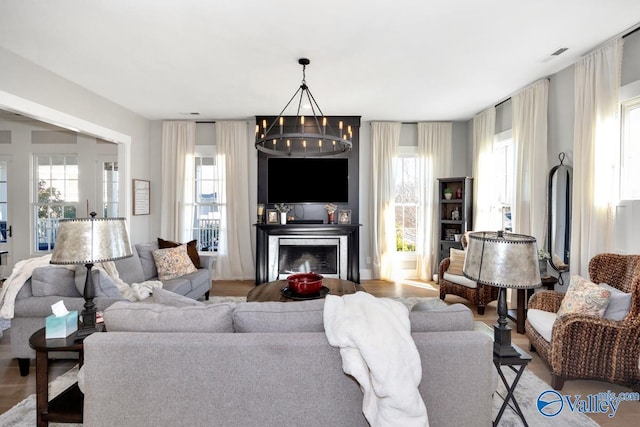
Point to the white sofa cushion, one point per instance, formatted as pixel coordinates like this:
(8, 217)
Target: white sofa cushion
(459, 280)
(619, 303)
(542, 321)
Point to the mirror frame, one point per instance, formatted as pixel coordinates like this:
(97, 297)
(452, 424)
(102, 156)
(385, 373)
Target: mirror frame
(551, 203)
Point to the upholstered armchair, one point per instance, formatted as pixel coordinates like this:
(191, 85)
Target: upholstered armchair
(452, 281)
(582, 346)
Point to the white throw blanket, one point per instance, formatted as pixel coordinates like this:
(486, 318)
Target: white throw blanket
(23, 269)
(374, 336)
(20, 274)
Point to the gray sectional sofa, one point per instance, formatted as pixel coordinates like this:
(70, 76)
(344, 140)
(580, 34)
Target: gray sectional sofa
(266, 364)
(50, 284)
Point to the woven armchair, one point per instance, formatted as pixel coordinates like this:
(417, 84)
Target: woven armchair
(480, 295)
(588, 347)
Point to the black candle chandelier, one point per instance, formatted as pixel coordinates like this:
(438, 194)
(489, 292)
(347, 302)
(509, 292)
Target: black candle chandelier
(308, 136)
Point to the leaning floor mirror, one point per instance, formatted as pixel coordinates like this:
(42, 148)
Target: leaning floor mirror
(559, 217)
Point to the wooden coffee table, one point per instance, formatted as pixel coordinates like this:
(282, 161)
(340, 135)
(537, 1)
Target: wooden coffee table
(271, 291)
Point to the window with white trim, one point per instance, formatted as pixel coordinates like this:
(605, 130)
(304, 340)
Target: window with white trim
(630, 150)
(206, 210)
(406, 201)
(503, 166)
(55, 196)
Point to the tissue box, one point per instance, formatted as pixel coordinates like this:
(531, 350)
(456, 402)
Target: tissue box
(62, 326)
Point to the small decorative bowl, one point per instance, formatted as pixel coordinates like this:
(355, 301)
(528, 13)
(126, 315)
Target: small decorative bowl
(305, 283)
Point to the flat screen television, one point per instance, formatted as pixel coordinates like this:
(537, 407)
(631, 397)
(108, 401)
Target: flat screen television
(307, 180)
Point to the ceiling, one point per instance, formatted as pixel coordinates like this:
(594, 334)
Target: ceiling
(405, 60)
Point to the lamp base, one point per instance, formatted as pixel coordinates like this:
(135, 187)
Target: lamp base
(85, 331)
(502, 342)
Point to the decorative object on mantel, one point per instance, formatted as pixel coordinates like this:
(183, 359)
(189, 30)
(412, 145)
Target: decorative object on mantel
(282, 208)
(503, 260)
(344, 216)
(88, 241)
(260, 219)
(272, 216)
(331, 212)
(319, 139)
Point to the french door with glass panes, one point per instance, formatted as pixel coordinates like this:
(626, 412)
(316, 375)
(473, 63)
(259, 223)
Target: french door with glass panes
(5, 219)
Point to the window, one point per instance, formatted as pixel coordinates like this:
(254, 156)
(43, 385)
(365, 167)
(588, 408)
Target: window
(55, 196)
(206, 219)
(110, 189)
(504, 177)
(406, 202)
(630, 153)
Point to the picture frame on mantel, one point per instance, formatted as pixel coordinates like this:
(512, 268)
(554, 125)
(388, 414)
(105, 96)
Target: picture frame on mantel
(344, 216)
(272, 216)
(141, 197)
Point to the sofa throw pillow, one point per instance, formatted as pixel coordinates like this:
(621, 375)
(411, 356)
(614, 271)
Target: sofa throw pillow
(619, 303)
(456, 261)
(173, 262)
(192, 249)
(103, 285)
(54, 281)
(165, 297)
(584, 297)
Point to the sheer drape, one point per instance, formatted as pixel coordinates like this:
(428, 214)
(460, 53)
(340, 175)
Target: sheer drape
(484, 125)
(385, 138)
(530, 138)
(434, 155)
(176, 213)
(234, 260)
(595, 147)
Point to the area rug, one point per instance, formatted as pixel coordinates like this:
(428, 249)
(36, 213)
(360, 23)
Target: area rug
(527, 392)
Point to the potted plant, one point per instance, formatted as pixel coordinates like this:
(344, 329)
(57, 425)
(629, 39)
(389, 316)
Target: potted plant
(448, 193)
(283, 208)
(331, 211)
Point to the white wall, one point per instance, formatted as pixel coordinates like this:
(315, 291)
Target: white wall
(62, 98)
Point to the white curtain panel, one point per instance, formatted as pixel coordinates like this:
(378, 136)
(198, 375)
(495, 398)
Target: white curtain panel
(484, 125)
(435, 161)
(596, 147)
(530, 138)
(235, 256)
(385, 138)
(176, 213)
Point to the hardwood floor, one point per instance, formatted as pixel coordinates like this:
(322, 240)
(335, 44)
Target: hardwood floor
(14, 388)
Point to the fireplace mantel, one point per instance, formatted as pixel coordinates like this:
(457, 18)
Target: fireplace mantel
(263, 231)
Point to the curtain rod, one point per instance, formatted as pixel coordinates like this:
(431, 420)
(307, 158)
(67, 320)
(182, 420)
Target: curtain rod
(632, 31)
(502, 102)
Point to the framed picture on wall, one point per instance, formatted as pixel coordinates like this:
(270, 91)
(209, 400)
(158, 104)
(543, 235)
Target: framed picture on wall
(141, 200)
(272, 216)
(344, 216)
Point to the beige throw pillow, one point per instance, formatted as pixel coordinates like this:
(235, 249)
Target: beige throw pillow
(584, 297)
(173, 262)
(456, 261)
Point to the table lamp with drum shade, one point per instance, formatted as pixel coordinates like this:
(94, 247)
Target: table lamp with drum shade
(88, 241)
(503, 260)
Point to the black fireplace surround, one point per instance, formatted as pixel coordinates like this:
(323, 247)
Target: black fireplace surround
(263, 231)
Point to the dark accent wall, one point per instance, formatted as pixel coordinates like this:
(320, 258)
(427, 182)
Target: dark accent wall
(316, 211)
